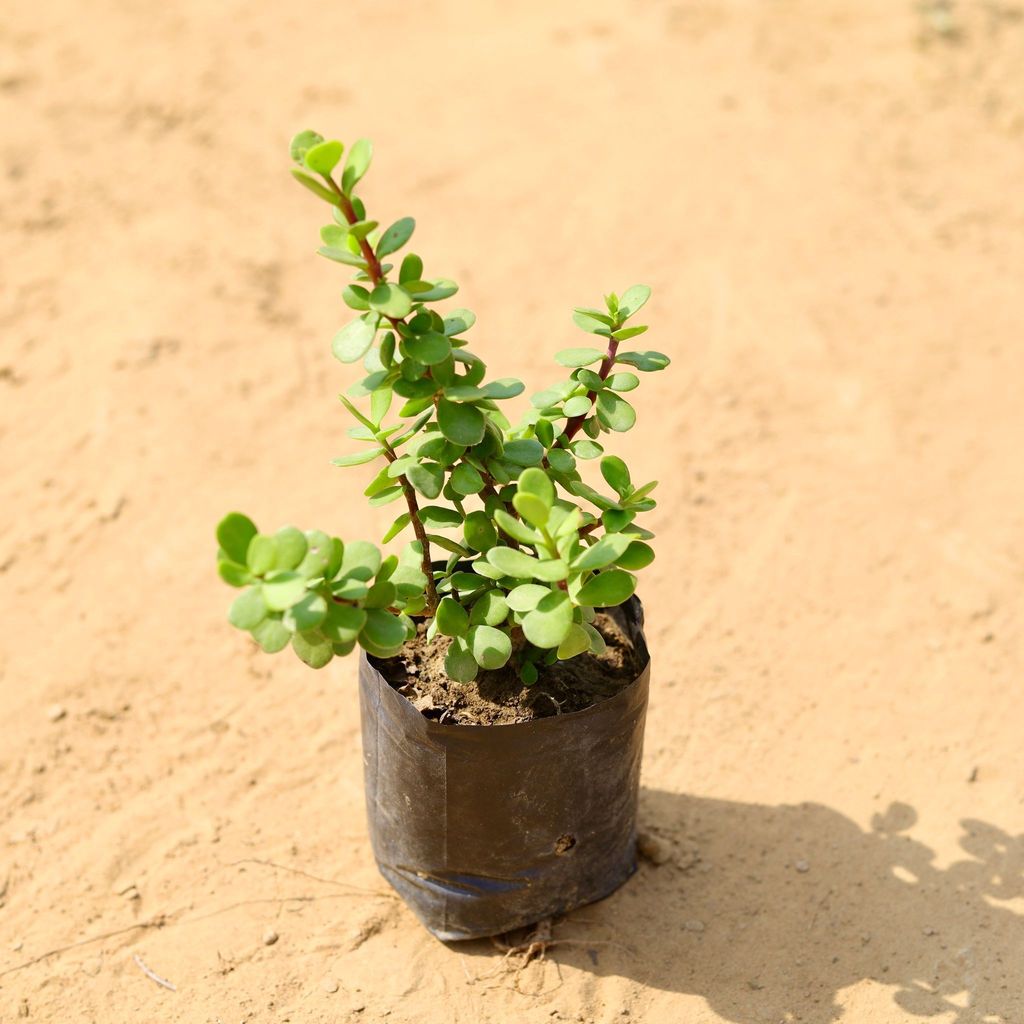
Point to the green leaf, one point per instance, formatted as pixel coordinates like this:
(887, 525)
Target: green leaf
(466, 480)
(461, 424)
(459, 663)
(524, 452)
(261, 554)
(548, 624)
(637, 556)
(512, 562)
(352, 341)
(320, 550)
(646, 362)
(615, 412)
(628, 332)
(607, 550)
(315, 187)
(290, 547)
(591, 324)
(436, 516)
(307, 613)
(514, 528)
(537, 483)
(507, 387)
(361, 228)
(479, 531)
(611, 587)
(633, 300)
(490, 609)
(302, 143)
(282, 589)
(451, 617)
(342, 623)
(616, 474)
(448, 544)
(551, 570)
(350, 259)
(357, 164)
(576, 641)
(458, 321)
(623, 381)
(271, 635)
(233, 573)
(411, 269)
(313, 648)
(442, 288)
(396, 527)
(491, 647)
(323, 157)
(430, 348)
(395, 237)
(528, 673)
(427, 478)
(561, 461)
(597, 644)
(248, 610)
(348, 588)
(586, 449)
(577, 406)
(391, 300)
(383, 630)
(526, 596)
(578, 356)
(362, 560)
(234, 532)
(531, 508)
(358, 458)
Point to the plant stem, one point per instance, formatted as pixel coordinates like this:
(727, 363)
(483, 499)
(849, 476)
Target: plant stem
(373, 268)
(421, 534)
(573, 425)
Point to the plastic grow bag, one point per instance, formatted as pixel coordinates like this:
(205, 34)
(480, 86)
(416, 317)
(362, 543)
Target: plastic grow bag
(486, 828)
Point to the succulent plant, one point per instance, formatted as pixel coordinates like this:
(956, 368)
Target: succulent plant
(531, 550)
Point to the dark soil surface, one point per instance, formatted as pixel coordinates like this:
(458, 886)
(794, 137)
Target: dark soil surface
(499, 697)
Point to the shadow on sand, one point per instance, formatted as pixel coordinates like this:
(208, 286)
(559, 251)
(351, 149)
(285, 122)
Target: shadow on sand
(768, 913)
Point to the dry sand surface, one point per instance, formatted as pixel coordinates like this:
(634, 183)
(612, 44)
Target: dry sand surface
(826, 197)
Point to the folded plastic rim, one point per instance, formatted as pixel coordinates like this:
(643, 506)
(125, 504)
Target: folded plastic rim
(485, 828)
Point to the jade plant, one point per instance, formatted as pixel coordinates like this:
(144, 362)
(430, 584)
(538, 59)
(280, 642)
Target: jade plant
(511, 552)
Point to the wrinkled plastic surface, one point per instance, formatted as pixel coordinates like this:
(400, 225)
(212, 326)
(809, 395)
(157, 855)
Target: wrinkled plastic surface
(486, 828)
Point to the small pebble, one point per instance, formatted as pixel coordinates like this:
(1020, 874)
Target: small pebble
(929, 931)
(694, 926)
(56, 712)
(802, 866)
(269, 937)
(652, 848)
(329, 985)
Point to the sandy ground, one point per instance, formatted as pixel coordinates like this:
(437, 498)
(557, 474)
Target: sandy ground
(827, 199)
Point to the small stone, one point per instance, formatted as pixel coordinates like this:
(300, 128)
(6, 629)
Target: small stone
(329, 985)
(269, 937)
(18, 947)
(23, 1010)
(55, 712)
(694, 926)
(802, 866)
(652, 848)
(929, 931)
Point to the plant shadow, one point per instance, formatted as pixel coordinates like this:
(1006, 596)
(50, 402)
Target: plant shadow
(768, 913)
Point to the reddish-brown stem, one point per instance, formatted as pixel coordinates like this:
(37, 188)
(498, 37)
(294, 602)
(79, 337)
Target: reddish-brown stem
(573, 425)
(418, 529)
(373, 269)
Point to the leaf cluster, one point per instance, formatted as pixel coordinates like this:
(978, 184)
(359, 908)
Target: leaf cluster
(531, 549)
